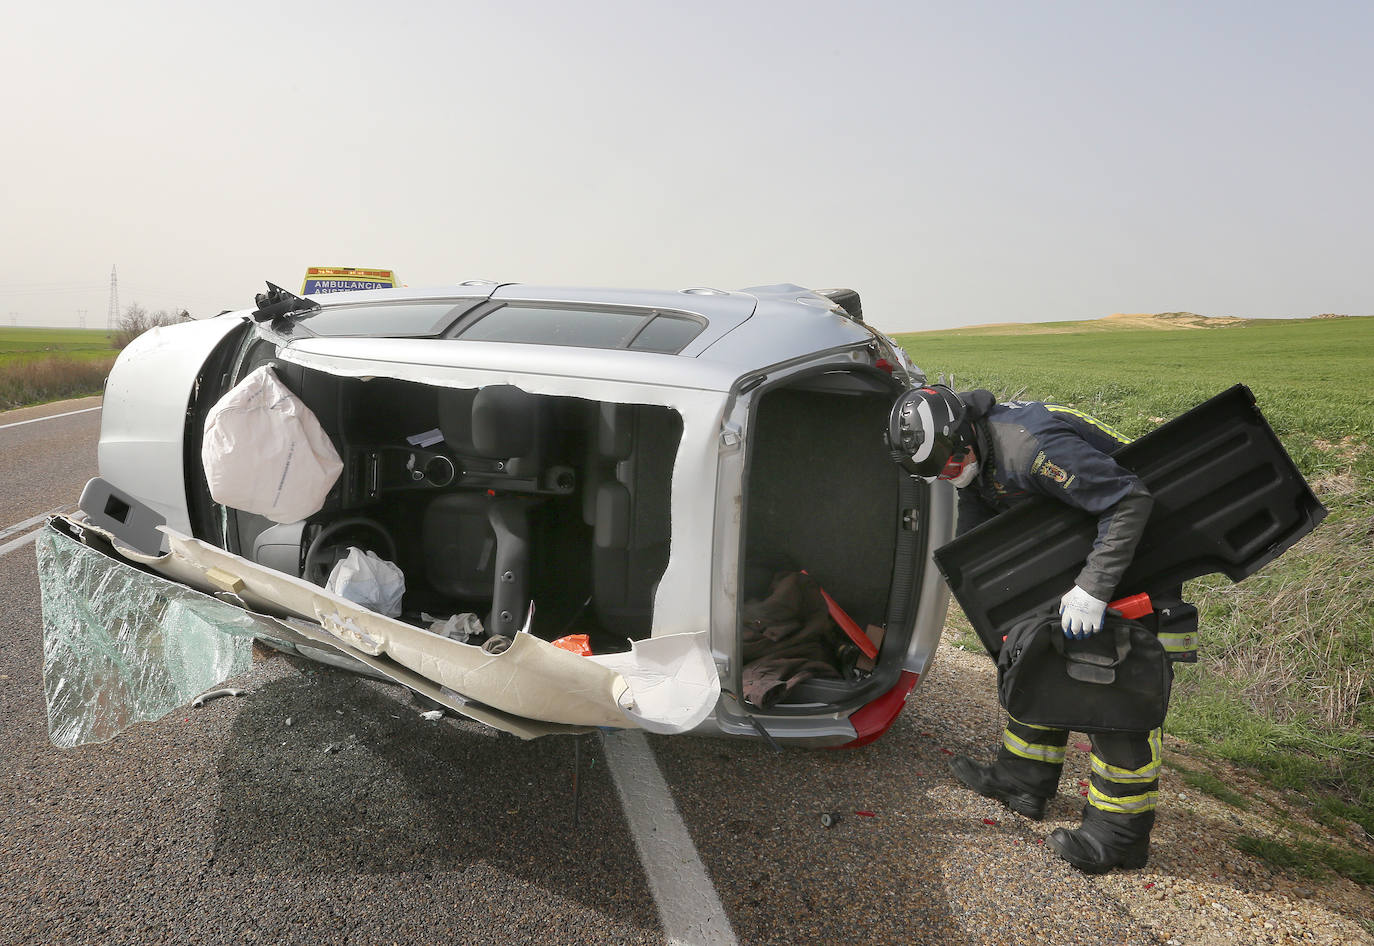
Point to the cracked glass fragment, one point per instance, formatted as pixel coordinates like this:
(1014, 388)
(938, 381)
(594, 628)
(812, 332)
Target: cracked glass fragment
(122, 646)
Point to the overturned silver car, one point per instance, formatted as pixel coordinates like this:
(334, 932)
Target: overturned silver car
(673, 510)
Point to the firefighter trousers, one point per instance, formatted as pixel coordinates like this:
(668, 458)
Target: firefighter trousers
(1124, 787)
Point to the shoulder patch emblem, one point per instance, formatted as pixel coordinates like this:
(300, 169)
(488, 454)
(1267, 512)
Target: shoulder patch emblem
(1050, 471)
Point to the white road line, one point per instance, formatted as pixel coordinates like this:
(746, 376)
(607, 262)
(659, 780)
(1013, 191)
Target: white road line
(21, 526)
(21, 423)
(9, 547)
(691, 911)
(31, 521)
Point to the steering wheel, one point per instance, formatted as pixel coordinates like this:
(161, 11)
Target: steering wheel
(329, 547)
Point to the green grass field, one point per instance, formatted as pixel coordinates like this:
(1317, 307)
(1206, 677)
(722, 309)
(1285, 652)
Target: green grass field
(41, 364)
(30, 343)
(1285, 683)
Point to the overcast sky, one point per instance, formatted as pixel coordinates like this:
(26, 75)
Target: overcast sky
(956, 163)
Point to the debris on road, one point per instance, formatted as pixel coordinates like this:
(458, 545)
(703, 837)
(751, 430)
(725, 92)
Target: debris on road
(211, 694)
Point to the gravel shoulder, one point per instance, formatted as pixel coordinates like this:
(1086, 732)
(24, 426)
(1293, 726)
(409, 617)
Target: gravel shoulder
(1198, 888)
(914, 857)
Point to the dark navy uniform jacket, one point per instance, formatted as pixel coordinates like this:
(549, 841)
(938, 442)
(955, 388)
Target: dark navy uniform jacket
(1030, 448)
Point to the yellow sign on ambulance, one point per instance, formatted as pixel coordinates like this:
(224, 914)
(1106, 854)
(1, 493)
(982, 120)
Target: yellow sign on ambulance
(345, 279)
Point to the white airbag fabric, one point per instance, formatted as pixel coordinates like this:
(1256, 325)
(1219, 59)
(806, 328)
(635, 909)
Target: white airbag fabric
(672, 679)
(369, 580)
(264, 451)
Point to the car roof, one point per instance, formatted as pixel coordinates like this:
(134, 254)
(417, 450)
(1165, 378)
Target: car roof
(743, 329)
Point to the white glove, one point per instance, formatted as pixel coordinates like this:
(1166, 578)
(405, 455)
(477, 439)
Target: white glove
(1081, 613)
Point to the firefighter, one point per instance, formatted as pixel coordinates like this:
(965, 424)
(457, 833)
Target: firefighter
(999, 455)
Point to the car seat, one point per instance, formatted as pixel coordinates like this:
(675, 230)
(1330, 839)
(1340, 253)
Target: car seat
(635, 447)
(477, 540)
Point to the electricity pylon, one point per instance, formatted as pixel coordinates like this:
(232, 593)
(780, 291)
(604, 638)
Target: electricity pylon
(113, 313)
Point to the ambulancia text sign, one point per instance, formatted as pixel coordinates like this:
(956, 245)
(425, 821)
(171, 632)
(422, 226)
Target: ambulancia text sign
(345, 279)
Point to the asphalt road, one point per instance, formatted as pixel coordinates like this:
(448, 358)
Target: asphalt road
(358, 822)
(321, 808)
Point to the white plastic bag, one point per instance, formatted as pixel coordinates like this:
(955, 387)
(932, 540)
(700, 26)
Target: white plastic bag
(370, 581)
(264, 451)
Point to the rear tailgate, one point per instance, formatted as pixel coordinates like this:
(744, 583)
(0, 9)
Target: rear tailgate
(1228, 499)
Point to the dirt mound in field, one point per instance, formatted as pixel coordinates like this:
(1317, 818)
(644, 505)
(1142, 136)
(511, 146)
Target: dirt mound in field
(1172, 320)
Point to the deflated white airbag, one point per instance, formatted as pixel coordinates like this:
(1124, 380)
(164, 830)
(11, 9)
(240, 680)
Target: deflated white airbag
(265, 452)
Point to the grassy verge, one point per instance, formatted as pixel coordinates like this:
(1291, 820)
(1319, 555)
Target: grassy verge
(39, 365)
(1285, 680)
(78, 344)
(38, 380)
(1209, 783)
(1307, 858)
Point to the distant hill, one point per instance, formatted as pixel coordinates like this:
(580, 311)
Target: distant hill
(1162, 321)
(1174, 320)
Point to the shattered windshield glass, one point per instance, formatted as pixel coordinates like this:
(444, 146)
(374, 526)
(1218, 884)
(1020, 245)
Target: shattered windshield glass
(122, 646)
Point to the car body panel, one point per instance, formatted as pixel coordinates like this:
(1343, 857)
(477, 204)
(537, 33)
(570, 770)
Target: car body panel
(476, 364)
(753, 342)
(933, 603)
(722, 311)
(143, 421)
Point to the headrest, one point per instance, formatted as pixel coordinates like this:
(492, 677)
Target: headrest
(455, 417)
(505, 421)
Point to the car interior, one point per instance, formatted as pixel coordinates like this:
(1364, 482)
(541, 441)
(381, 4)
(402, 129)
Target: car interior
(822, 496)
(512, 497)
(488, 499)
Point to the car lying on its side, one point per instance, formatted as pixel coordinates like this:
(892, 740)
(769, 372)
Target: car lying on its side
(664, 482)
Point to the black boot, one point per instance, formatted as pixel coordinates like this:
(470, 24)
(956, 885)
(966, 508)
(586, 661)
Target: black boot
(1094, 851)
(986, 781)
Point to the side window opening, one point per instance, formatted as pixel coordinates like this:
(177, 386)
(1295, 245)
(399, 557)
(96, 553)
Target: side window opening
(513, 497)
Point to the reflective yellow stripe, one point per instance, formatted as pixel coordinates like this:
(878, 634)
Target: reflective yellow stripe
(1030, 750)
(1146, 773)
(1106, 429)
(1032, 725)
(1179, 643)
(1125, 805)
